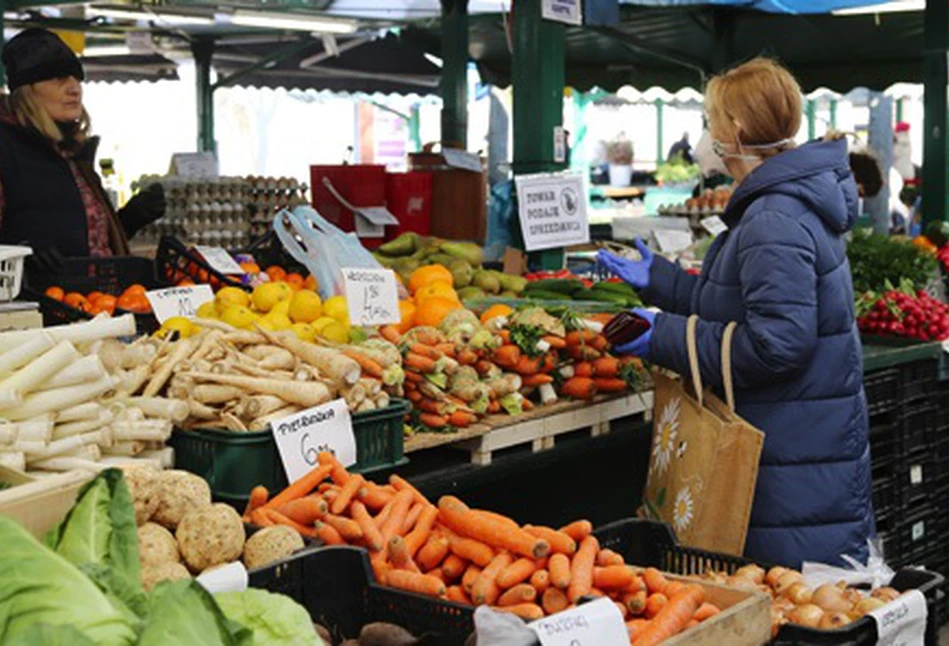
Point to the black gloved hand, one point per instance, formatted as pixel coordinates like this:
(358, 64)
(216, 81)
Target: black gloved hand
(143, 209)
(48, 261)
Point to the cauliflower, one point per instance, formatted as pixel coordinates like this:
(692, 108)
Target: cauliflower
(179, 492)
(156, 546)
(271, 544)
(155, 574)
(210, 536)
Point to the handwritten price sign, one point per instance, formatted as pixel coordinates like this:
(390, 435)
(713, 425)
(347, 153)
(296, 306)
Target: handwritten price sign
(372, 296)
(303, 436)
(178, 301)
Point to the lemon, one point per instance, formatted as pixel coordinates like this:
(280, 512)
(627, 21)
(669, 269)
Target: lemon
(239, 316)
(335, 332)
(305, 306)
(231, 296)
(304, 331)
(278, 320)
(336, 307)
(266, 295)
(265, 324)
(207, 311)
(321, 323)
(179, 324)
(282, 307)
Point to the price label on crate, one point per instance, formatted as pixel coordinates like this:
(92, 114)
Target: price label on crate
(714, 225)
(178, 301)
(902, 622)
(945, 346)
(219, 259)
(916, 474)
(919, 530)
(372, 296)
(303, 436)
(597, 623)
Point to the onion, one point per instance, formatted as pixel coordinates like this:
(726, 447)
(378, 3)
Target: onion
(885, 594)
(783, 604)
(833, 620)
(741, 583)
(866, 605)
(852, 596)
(753, 572)
(771, 578)
(777, 620)
(786, 580)
(807, 615)
(799, 593)
(830, 598)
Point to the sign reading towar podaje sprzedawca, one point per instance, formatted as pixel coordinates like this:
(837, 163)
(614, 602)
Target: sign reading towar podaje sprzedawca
(553, 210)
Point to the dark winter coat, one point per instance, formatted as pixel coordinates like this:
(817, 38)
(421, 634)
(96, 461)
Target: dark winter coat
(781, 272)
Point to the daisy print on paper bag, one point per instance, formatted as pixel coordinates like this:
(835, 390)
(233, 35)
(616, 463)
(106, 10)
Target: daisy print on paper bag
(668, 429)
(682, 510)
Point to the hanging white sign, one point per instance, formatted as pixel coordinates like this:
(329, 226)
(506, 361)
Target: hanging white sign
(553, 210)
(566, 11)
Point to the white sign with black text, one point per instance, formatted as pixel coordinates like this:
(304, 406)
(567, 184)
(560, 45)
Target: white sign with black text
(303, 436)
(179, 301)
(219, 259)
(902, 622)
(462, 159)
(553, 210)
(372, 296)
(565, 11)
(198, 165)
(597, 623)
(714, 225)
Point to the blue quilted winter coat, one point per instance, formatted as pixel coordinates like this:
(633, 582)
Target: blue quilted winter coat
(781, 273)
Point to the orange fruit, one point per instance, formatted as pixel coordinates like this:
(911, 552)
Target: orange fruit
(56, 293)
(250, 267)
(432, 310)
(135, 303)
(295, 281)
(276, 273)
(495, 311)
(92, 297)
(77, 301)
(135, 290)
(310, 283)
(105, 303)
(185, 282)
(427, 275)
(439, 288)
(407, 311)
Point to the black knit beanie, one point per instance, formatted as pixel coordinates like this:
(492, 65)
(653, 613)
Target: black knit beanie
(36, 55)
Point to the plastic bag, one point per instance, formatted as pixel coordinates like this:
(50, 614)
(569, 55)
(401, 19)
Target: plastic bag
(321, 247)
(876, 572)
(493, 628)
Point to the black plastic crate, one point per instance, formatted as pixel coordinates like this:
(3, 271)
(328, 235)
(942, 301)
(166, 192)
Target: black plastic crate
(659, 549)
(920, 427)
(886, 452)
(918, 532)
(883, 391)
(267, 250)
(919, 379)
(174, 261)
(886, 500)
(918, 478)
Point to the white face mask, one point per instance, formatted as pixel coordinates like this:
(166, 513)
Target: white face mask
(719, 148)
(709, 161)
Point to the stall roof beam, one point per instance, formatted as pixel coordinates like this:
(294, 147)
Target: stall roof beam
(275, 57)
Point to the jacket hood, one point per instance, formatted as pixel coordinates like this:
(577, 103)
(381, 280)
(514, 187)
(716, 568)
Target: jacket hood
(817, 173)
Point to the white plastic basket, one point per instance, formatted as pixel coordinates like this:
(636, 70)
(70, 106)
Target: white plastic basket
(11, 270)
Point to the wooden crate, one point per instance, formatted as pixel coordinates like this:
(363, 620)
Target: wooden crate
(745, 619)
(39, 504)
(459, 198)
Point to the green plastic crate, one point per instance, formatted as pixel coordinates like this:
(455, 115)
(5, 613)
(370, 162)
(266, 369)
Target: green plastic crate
(234, 463)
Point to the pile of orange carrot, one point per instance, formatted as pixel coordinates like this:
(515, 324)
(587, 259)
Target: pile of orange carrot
(476, 557)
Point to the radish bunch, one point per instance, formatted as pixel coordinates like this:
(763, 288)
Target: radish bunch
(897, 313)
(943, 256)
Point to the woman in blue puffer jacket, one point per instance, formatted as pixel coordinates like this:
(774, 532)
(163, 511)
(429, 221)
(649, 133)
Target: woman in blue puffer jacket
(781, 272)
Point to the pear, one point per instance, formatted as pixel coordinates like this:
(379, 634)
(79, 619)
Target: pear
(462, 272)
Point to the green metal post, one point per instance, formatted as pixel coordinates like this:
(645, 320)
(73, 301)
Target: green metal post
(811, 111)
(3, 71)
(660, 147)
(935, 114)
(415, 128)
(833, 114)
(203, 50)
(899, 110)
(538, 75)
(455, 72)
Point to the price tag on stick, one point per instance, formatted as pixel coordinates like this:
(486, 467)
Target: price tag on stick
(220, 260)
(303, 436)
(372, 296)
(179, 301)
(597, 623)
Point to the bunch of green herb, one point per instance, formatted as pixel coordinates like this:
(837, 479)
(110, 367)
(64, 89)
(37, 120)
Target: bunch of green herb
(876, 259)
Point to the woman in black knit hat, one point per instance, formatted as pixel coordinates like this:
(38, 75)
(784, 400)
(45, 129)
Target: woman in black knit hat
(50, 195)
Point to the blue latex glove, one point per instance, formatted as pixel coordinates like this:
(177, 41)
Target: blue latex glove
(639, 347)
(634, 272)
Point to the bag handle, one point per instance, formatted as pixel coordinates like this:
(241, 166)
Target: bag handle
(293, 246)
(692, 347)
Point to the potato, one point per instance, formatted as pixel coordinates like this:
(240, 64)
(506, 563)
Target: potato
(271, 544)
(382, 634)
(210, 536)
(156, 546)
(152, 576)
(143, 484)
(179, 492)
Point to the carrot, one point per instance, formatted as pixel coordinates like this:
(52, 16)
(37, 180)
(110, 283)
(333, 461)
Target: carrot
(373, 497)
(418, 362)
(469, 577)
(259, 517)
(433, 421)
(301, 487)
(380, 569)
(555, 342)
(635, 601)
(370, 533)
(427, 405)
(399, 555)
(388, 488)
(349, 529)
(494, 407)
(507, 356)
(559, 541)
(613, 577)
(426, 351)
(520, 593)
(672, 588)
(635, 627)
(501, 518)
(656, 602)
(610, 385)
(540, 579)
(330, 495)
(453, 566)
(516, 573)
(579, 337)
(456, 515)
(505, 335)
(390, 334)
(583, 353)
(411, 518)
(438, 574)
(623, 610)
(414, 377)
(486, 589)
(578, 388)
(607, 367)
(554, 601)
(578, 530)
(462, 419)
(448, 349)
(483, 366)
(258, 498)
(400, 507)
(599, 342)
(471, 550)
(346, 493)
(673, 617)
(583, 369)
(528, 611)
(433, 553)
(467, 357)
(413, 396)
(551, 362)
(706, 611)
(539, 379)
(304, 510)
(608, 557)
(418, 583)
(559, 567)
(369, 365)
(457, 594)
(423, 529)
(326, 486)
(280, 519)
(527, 405)
(581, 569)
(528, 366)
(655, 581)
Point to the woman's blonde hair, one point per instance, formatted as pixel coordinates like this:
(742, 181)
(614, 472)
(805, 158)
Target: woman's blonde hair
(758, 101)
(30, 113)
